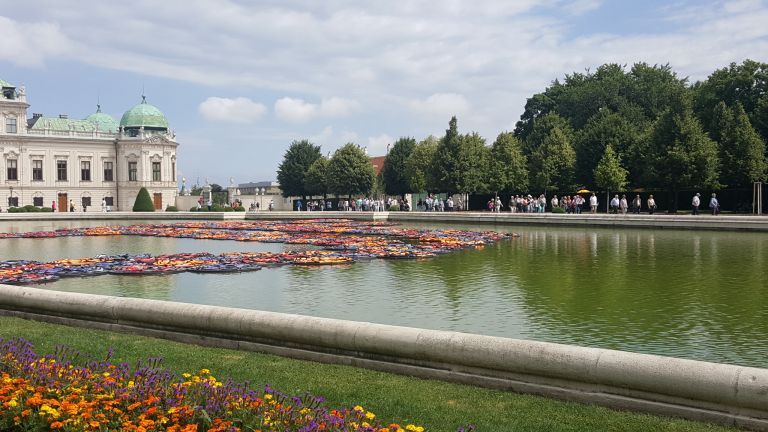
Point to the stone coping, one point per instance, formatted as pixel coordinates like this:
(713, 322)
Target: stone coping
(728, 394)
(657, 221)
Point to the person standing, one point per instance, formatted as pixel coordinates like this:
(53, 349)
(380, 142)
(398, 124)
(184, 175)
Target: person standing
(695, 203)
(651, 204)
(71, 206)
(53, 205)
(636, 204)
(714, 204)
(593, 203)
(555, 202)
(103, 205)
(623, 205)
(209, 204)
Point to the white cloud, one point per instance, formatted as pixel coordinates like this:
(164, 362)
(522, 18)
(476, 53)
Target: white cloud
(377, 145)
(294, 110)
(237, 110)
(442, 105)
(579, 7)
(29, 44)
(299, 111)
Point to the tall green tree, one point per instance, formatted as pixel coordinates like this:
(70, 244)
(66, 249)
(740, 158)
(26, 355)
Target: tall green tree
(350, 171)
(542, 127)
(609, 174)
(742, 151)
(471, 164)
(296, 162)
(445, 169)
(393, 172)
(508, 167)
(418, 167)
(553, 163)
(603, 128)
(683, 155)
(316, 178)
(746, 83)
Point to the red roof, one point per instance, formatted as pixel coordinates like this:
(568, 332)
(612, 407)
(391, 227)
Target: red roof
(378, 163)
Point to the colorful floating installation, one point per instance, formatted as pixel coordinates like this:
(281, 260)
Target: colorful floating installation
(342, 242)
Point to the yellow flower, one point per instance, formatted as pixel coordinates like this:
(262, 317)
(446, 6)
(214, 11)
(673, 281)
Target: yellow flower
(370, 416)
(204, 371)
(186, 375)
(358, 408)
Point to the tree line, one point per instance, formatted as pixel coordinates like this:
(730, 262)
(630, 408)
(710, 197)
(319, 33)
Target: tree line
(614, 128)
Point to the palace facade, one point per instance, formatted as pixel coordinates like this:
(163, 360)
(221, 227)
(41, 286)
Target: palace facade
(63, 162)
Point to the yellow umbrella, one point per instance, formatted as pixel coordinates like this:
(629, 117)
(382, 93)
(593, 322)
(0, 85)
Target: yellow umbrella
(583, 191)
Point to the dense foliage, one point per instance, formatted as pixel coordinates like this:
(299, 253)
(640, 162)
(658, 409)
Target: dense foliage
(651, 129)
(296, 162)
(143, 201)
(350, 171)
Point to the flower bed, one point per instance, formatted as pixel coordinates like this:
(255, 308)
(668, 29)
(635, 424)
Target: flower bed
(68, 393)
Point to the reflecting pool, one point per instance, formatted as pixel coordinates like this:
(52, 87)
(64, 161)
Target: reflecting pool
(693, 294)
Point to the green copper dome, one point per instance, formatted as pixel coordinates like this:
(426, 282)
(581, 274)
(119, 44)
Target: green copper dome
(104, 122)
(4, 83)
(145, 115)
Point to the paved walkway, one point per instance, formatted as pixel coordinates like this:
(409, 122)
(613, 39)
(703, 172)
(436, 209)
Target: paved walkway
(656, 221)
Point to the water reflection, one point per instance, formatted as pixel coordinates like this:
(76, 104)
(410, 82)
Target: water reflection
(690, 294)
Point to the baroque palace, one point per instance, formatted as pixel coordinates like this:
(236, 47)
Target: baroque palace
(61, 162)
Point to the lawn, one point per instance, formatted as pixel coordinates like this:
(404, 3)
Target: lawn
(438, 406)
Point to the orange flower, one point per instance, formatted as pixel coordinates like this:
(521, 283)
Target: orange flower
(57, 425)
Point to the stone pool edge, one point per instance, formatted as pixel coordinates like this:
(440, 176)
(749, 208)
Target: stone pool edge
(720, 393)
(584, 220)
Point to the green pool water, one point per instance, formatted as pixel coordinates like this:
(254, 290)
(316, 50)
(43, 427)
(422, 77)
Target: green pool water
(694, 294)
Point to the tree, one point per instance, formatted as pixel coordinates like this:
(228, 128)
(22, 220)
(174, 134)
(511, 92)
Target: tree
(471, 164)
(746, 83)
(316, 178)
(508, 166)
(393, 172)
(445, 168)
(143, 201)
(603, 128)
(296, 162)
(609, 174)
(542, 127)
(742, 151)
(350, 172)
(418, 167)
(682, 154)
(553, 163)
(216, 188)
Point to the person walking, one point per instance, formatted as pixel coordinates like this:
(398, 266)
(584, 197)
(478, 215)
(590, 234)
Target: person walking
(651, 204)
(623, 205)
(209, 204)
(593, 203)
(695, 203)
(103, 205)
(714, 204)
(615, 204)
(71, 206)
(636, 204)
(53, 205)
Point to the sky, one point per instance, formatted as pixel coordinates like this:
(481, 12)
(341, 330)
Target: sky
(240, 80)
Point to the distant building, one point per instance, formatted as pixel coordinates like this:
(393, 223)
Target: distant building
(45, 160)
(264, 187)
(378, 163)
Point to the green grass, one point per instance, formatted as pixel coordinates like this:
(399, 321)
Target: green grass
(436, 405)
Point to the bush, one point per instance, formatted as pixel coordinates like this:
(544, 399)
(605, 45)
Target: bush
(240, 209)
(30, 209)
(15, 210)
(558, 210)
(143, 202)
(394, 207)
(194, 208)
(46, 210)
(171, 208)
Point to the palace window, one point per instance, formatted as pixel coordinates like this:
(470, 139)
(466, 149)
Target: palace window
(13, 170)
(132, 171)
(10, 125)
(13, 201)
(37, 170)
(86, 201)
(37, 201)
(61, 170)
(108, 171)
(155, 171)
(110, 201)
(85, 170)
